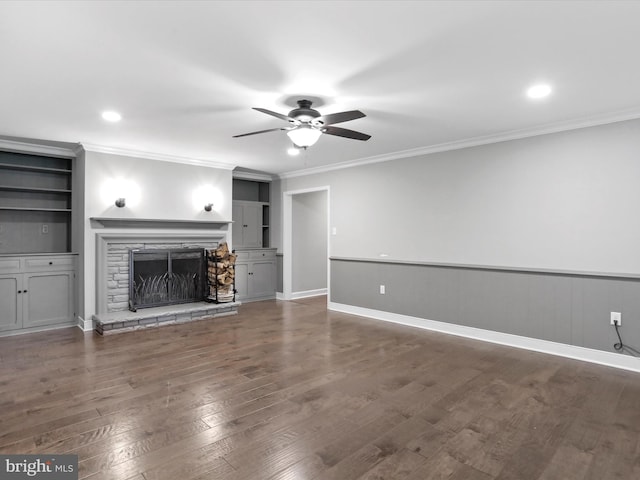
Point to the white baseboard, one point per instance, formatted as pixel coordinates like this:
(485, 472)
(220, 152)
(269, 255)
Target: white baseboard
(610, 359)
(280, 296)
(85, 325)
(308, 293)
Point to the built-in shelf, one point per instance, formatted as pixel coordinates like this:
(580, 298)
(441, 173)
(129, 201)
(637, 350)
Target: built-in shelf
(36, 209)
(14, 188)
(110, 222)
(33, 168)
(35, 202)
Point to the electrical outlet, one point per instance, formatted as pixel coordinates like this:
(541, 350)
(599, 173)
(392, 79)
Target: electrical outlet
(382, 290)
(45, 228)
(616, 317)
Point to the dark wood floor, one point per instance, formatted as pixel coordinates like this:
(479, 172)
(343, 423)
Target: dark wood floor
(287, 390)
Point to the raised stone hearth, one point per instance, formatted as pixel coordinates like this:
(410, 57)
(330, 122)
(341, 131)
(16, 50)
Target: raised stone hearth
(126, 321)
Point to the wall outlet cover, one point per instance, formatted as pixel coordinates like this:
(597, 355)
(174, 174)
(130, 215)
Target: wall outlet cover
(616, 317)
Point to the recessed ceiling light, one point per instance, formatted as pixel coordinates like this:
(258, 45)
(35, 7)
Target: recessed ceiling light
(539, 91)
(111, 116)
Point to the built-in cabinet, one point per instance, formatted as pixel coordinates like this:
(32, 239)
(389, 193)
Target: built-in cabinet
(247, 224)
(36, 291)
(37, 270)
(255, 274)
(250, 212)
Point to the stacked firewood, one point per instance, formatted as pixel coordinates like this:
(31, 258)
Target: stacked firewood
(221, 273)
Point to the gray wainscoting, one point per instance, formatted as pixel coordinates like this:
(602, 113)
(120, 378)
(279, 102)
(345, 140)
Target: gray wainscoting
(566, 307)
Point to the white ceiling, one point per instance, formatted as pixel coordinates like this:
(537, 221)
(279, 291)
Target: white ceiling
(184, 75)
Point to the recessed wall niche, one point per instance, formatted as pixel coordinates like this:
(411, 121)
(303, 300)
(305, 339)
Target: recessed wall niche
(35, 203)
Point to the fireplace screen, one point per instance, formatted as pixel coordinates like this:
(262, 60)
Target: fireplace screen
(165, 277)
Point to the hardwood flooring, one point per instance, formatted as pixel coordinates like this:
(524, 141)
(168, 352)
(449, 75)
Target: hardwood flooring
(288, 390)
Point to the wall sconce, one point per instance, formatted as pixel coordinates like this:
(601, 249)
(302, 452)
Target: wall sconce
(120, 192)
(208, 207)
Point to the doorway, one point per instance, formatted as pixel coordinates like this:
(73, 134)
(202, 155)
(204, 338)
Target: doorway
(305, 264)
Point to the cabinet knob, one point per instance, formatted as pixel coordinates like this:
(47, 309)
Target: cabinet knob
(50, 263)
(19, 291)
(24, 291)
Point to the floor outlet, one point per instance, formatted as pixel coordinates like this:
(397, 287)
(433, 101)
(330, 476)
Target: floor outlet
(382, 290)
(616, 317)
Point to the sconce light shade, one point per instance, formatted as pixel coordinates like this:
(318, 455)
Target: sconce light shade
(120, 202)
(208, 207)
(304, 136)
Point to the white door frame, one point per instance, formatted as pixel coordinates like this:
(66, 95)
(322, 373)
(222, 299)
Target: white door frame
(287, 238)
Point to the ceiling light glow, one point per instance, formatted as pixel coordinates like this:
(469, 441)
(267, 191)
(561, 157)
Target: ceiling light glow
(111, 116)
(293, 151)
(539, 91)
(304, 136)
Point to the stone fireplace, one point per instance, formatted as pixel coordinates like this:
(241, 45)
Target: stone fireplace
(113, 277)
(113, 270)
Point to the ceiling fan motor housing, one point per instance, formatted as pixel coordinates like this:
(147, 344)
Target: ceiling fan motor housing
(304, 112)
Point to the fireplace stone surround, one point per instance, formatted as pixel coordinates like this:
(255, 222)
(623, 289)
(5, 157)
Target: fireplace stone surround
(112, 277)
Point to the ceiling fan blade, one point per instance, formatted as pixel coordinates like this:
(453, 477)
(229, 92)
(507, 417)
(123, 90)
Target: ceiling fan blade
(261, 131)
(343, 132)
(339, 117)
(275, 114)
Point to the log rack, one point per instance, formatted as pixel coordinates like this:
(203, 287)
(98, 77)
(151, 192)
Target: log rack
(221, 284)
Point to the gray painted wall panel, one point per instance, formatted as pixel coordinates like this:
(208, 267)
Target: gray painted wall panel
(570, 309)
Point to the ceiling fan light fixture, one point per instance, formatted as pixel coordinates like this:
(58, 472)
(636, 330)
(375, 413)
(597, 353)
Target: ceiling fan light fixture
(304, 136)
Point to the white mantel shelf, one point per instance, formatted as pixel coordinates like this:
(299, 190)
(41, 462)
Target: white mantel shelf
(111, 222)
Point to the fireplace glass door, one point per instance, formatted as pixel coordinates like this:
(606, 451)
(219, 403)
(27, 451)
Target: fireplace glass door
(165, 277)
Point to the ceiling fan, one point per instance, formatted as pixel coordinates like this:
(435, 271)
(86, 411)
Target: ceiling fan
(306, 124)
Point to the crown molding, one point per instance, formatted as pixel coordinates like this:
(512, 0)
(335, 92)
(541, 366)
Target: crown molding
(472, 142)
(163, 157)
(260, 177)
(37, 149)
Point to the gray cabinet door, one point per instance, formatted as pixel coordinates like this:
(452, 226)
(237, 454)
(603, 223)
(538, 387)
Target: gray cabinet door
(247, 224)
(10, 302)
(242, 280)
(236, 227)
(48, 298)
(252, 224)
(262, 279)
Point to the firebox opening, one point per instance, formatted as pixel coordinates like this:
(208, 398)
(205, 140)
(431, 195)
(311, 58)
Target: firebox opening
(165, 277)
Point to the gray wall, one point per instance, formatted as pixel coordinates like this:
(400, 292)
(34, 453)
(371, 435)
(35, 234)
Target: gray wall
(565, 201)
(560, 201)
(309, 241)
(565, 308)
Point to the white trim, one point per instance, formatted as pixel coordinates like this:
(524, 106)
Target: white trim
(44, 328)
(616, 360)
(472, 142)
(308, 293)
(85, 325)
(202, 162)
(260, 177)
(279, 296)
(37, 149)
(287, 236)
